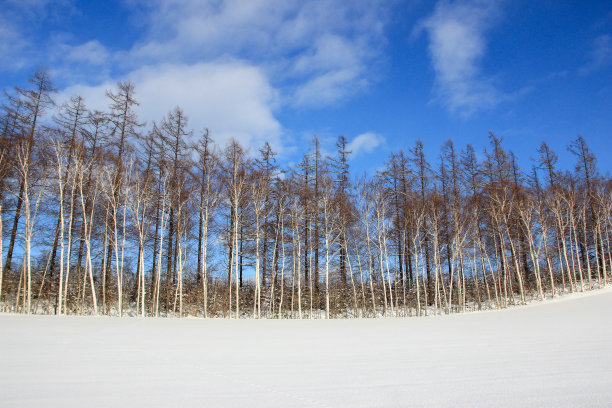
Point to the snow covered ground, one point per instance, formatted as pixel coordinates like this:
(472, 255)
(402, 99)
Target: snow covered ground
(555, 354)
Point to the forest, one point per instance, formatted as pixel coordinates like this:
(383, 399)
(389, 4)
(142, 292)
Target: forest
(101, 214)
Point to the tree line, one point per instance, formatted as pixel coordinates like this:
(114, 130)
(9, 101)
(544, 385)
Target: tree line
(103, 215)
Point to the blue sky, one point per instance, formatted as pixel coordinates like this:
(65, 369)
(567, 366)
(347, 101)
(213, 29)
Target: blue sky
(383, 73)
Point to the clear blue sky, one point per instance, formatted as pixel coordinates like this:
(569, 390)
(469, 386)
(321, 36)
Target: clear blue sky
(383, 73)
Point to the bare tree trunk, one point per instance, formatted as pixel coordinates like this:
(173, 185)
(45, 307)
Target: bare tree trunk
(236, 264)
(348, 261)
(361, 283)
(162, 228)
(61, 181)
(1, 254)
(282, 279)
(87, 225)
(204, 265)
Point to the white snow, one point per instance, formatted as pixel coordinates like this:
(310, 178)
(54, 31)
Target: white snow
(554, 354)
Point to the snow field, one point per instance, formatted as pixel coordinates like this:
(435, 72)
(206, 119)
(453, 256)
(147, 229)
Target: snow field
(553, 354)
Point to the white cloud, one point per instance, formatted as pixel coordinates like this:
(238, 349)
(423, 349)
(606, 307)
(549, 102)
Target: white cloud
(316, 52)
(91, 52)
(457, 43)
(365, 143)
(332, 70)
(600, 55)
(329, 52)
(328, 87)
(233, 100)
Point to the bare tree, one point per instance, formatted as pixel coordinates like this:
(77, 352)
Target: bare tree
(32, 184)
(31, 104)
(124, 125)
(209, 200)
(236, 189)
(331, 232)
(71, 120)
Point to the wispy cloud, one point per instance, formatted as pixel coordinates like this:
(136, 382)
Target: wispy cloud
(20, 46)
(457, 43)
(15, 49)
(91, 52)
(600, 55)
(365, 143)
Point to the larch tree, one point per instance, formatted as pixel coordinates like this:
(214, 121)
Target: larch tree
(71, 120)
(123, 126)
(30, 105)
(172, 137)
(207, 166)
(235, 169)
